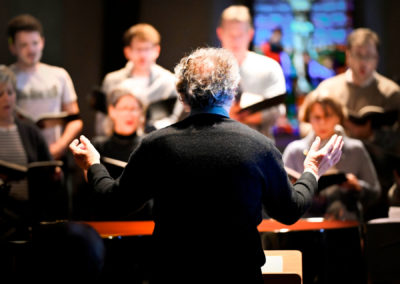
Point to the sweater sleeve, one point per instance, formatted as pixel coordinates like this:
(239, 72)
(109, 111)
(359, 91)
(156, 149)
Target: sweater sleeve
(283, 201)
(132, 189)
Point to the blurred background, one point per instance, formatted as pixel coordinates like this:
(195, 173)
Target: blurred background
(85, 37)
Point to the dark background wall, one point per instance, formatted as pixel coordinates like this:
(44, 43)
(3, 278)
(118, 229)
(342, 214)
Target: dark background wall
(84, 37)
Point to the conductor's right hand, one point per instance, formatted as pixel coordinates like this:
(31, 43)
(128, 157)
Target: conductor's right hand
(318, 161)
(85, 154)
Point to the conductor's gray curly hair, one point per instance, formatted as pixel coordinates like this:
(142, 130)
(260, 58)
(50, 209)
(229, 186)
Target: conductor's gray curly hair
(207, 77)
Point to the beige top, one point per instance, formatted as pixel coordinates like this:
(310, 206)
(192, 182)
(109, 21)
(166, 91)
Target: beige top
(380, 91)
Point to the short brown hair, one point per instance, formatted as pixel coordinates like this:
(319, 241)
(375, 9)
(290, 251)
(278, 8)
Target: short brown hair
(362, 36)
(23, 22)
(237, 13)
(144, 32)
(325, 100)
(7, 76)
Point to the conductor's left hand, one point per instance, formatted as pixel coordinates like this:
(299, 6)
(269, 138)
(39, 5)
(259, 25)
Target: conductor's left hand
(85, 154)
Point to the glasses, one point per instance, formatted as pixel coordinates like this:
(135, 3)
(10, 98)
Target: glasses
(368, 57)
(128, 110)
(144, 49)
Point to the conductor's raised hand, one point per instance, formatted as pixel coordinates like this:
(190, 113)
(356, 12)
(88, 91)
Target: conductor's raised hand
(318, 160)
(85, 154)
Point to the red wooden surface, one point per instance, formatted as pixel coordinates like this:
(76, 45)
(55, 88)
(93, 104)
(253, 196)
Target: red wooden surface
(110, 229)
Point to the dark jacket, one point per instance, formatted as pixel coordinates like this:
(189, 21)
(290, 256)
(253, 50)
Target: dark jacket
(34, 144)
(209, 176)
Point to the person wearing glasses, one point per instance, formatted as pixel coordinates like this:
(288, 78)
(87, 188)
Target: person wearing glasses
(150, 82)
(362, 87)
(127, 119)
(124, 132)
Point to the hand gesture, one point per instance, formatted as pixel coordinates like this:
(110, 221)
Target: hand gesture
(85, 154)
(320, 160)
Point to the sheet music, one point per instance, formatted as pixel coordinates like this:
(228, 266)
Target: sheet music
(273, 264)
(248, 99)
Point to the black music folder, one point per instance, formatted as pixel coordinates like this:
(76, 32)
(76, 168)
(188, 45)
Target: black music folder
(331, 179)
(324, 181)
(264, 104)
(48, 119)
(15, 172)
(376, 114)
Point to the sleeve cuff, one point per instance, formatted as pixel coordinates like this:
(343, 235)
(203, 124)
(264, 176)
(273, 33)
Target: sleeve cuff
(311, 172)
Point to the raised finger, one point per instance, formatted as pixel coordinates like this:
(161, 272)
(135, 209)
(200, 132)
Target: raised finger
(338, 143)
(315, 144)
(327, 149)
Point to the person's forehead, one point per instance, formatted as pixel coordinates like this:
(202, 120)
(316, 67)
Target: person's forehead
(234, 24)
(127, 98)
(322, 107)
(368, 46)
(138, 42)
(26, 35)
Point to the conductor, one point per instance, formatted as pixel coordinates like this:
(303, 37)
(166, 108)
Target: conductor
(209, 176)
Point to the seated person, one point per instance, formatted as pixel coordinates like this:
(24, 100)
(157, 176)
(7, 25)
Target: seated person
(126, 126)
(21, 143)
(342, 201)
(127, 121)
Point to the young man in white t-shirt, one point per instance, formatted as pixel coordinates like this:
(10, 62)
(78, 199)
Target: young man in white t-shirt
(42, 88)
(260, 76)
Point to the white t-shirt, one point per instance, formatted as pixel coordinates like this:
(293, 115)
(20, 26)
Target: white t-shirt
(263, 76)
(44, 91)
(137, 86)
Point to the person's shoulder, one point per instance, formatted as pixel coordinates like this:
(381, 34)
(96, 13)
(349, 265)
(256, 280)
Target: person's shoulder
(247, 133)
(47, 67)
(352, 143)
(52, 70)
(386, 85)
(334, 81)
(117, 74)
(13, 67)
(159, 69)
(261, 60)
(27, 127)
(160, 73)
(354, 148)
(296, 146)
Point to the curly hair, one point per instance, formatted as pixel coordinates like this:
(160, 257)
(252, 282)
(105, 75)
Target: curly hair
(207, 77)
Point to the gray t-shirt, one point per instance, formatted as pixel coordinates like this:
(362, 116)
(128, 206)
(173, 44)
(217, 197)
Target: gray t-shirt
(44, 91)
